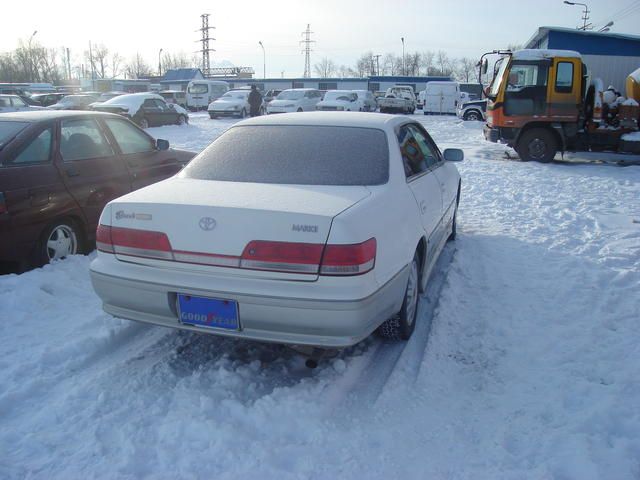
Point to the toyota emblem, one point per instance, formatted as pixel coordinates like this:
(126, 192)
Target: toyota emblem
(207, 223)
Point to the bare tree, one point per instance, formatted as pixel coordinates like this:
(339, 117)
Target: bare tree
(137, 67)
(443, 63)
(325, 68)
(426, 61)
(412, 63)
(466, 70)
(116, 64)
(346, 72)
(391, 64)
(364, 65)
(176, 60)
(100, 54)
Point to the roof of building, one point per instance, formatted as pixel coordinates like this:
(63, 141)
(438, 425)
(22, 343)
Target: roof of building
(587, 42)
(180, 74)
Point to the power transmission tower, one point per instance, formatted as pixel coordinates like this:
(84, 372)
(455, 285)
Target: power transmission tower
(206, 65)
(307, 50)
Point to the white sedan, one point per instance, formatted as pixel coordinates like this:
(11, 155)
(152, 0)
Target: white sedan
(340, 100)
(234, 103)
(310, 229)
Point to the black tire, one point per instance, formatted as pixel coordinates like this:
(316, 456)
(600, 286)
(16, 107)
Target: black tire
(402, 325)
(243, 113)
(182, 120)
(537, 144)
(299, 110)
(60, 232)
(472, 116)
(212, 116)
(143, 122)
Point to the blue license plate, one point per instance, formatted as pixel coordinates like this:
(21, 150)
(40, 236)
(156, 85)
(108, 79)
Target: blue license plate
(208, 312)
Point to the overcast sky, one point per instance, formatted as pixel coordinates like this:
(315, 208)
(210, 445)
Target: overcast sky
(343, 29)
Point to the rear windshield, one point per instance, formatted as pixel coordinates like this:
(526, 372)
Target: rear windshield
(8, 130)
(295, 155)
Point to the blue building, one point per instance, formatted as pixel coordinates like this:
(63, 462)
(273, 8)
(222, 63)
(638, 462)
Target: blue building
(179, 78)
(609, 56)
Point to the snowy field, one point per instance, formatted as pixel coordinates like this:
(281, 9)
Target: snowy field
(524, 364)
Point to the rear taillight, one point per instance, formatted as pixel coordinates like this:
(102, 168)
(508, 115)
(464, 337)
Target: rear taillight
(282, 256)
(137, 243)
(103, 239)
(349, 259)
(3, 204)
(288, 257)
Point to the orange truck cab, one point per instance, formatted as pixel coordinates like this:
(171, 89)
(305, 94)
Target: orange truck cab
(540, 102)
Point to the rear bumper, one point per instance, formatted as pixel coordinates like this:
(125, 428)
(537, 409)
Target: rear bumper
(324, 323)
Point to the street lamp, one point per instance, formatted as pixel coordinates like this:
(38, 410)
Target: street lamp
(403, 69)
(159, 63)
(264, 60)
(585, 12)
(31, 55)
(606, 27)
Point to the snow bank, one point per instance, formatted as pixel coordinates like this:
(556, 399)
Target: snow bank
(529, 372)
(631, 137)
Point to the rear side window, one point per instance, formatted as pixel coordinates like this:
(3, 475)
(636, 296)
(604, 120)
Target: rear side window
(38, 150)
(8, 130)
(129, 138)
(82, 140)
(295, 155)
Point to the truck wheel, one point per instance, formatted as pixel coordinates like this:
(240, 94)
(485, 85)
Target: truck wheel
(401, 325)
(537, 144)
(472, 116)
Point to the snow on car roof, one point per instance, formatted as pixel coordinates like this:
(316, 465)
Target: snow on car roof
(133, 101)
(536, 54)
(343, 119)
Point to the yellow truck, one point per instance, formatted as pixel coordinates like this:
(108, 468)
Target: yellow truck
(543, 101)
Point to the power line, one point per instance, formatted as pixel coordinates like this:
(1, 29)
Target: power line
(307, 51)
(630, 9)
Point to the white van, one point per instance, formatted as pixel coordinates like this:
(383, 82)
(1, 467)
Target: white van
(200, 93)
(441, 98)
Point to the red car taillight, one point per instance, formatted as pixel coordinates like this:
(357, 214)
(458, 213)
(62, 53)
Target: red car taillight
(282, 256)
(349, 259)
(289, 257)
(137, 243)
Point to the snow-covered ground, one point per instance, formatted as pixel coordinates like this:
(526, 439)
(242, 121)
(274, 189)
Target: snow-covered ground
(524, 364)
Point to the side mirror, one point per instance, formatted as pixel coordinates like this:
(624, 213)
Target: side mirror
(164, 144)
(485, 66)
(453, 155)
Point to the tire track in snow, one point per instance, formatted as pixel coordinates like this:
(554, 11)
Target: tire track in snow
(368, 376)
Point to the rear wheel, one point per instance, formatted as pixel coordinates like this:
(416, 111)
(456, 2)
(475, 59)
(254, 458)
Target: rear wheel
(212, 116)
(538, 144)
(299, 109)
(59, 240)
(402, 325)
(182, 119)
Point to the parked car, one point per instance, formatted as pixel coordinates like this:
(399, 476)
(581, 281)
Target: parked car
(307, 229)
(339, 100)
(200, 93)
(145, 109)
(367, 100)
(177, 97)
(270, 95)
(57, 171)
(46, 99)
(73, 102)
(14, 103)
(473, 110)
(399, 98)
(234, 103)
(295, 100)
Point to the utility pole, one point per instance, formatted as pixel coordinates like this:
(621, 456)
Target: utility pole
(91, 65)
(264, 61)
(69, 63)
(404, 73)
(585, 15)
(206, 65)
(307, 51)
(377, 57)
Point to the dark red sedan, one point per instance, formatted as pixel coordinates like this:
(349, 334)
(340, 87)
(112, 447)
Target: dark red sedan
(58, 170)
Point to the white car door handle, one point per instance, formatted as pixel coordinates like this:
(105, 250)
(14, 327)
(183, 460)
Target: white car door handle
(423, 206)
